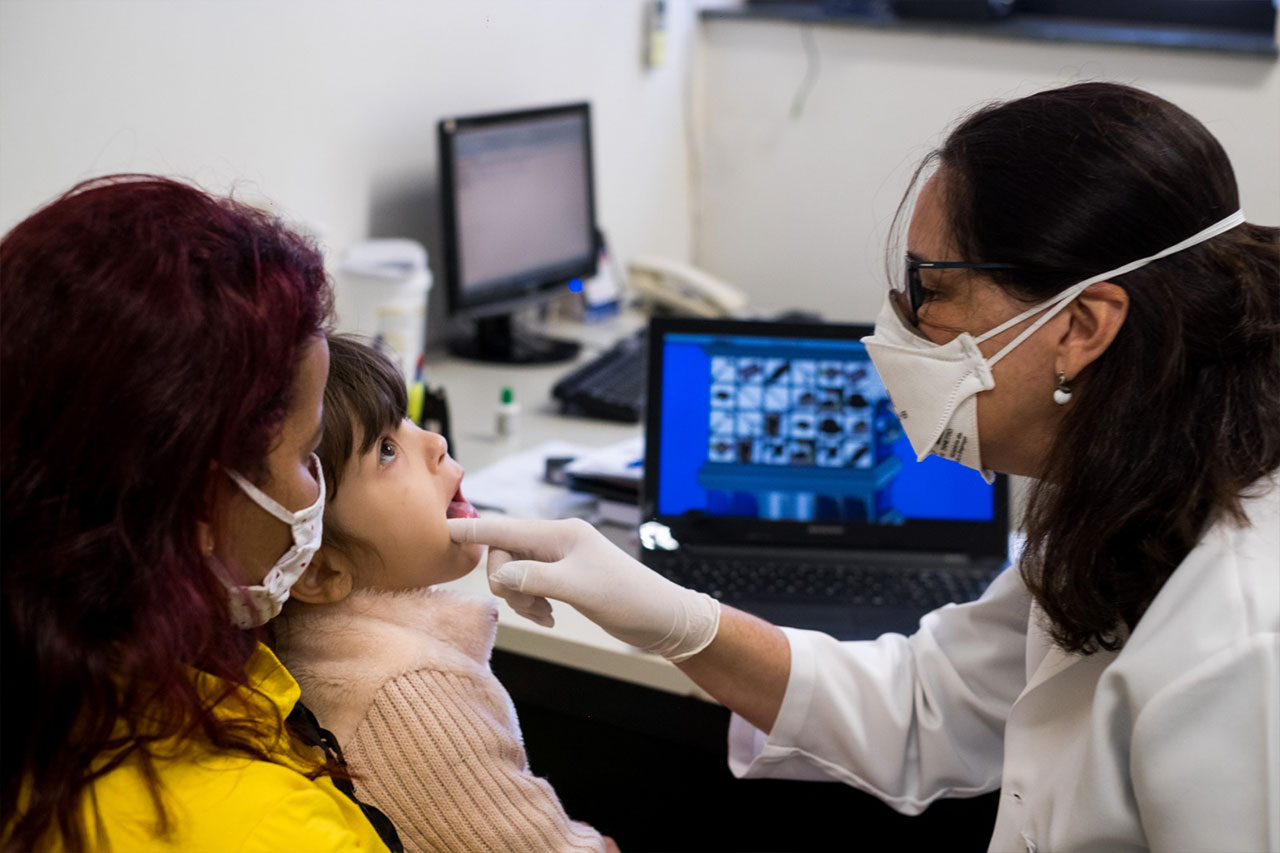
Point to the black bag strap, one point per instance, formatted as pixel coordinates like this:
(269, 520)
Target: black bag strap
(306, 726)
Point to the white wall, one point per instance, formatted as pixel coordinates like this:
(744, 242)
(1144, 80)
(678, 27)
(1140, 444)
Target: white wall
(328, 107)
(796, 209)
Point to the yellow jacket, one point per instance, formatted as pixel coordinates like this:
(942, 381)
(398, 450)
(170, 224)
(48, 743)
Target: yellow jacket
(221, 802)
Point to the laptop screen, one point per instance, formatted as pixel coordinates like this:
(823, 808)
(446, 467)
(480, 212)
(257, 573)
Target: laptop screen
(790, 428)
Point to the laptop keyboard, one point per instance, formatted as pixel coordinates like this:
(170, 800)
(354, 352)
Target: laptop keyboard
(740, 579)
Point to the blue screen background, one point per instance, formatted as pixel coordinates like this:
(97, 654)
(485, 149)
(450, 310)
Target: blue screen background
(935, 489)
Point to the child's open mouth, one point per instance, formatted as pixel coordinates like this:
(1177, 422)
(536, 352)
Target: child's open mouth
(460, 507)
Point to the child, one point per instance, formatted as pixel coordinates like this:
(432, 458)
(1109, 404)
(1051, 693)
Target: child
(399, 670)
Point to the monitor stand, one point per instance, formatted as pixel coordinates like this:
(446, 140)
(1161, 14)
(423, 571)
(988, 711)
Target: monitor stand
(502, 339)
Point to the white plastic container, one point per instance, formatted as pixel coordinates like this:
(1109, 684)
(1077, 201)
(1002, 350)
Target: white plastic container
(387, 283)
(507, 415)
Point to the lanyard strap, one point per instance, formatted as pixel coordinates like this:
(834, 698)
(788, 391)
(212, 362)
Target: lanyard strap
(306, 726)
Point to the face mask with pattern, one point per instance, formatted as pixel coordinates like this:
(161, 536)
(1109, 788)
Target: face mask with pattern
(255, 605)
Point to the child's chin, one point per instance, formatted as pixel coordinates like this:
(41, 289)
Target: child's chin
(469, 556)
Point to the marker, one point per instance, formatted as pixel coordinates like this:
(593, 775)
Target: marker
(417, 396)
(417, 393)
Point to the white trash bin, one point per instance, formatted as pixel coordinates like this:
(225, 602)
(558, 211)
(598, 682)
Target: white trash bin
(388, 282)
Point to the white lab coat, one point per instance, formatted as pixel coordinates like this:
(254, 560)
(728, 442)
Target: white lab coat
(1173, 743)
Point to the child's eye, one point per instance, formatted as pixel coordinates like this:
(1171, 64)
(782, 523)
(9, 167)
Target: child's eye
(386, 451)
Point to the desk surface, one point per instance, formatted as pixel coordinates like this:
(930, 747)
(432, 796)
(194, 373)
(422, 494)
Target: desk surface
(473, 390)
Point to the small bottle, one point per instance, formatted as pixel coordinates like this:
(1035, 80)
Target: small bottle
(507, 422)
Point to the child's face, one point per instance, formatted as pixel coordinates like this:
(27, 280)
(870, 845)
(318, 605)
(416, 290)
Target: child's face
(396, 498)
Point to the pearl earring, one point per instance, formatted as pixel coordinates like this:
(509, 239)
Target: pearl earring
(1062, 394)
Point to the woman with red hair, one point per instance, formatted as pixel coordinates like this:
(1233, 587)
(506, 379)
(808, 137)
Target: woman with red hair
(163, 369)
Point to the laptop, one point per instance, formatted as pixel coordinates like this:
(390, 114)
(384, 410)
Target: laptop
(778, 479)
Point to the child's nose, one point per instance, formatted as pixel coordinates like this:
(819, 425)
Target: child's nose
(436, 448)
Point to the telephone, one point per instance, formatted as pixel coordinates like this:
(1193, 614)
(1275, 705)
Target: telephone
(680, 288)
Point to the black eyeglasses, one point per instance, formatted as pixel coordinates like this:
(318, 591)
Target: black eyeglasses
(916, 290)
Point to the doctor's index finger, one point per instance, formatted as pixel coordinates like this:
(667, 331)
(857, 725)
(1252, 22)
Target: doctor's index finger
(532, 538)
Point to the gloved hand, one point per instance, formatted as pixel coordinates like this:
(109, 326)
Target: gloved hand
(571, 561)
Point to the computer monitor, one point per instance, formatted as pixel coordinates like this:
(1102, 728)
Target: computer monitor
(519, 223)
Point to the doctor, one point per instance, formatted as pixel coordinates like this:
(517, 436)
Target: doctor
(1108, 323)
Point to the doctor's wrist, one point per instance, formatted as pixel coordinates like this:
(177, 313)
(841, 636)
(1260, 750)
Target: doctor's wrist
(694, 624)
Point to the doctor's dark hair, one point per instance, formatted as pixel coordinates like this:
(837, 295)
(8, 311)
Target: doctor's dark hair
(1170, 426)
(151, 334)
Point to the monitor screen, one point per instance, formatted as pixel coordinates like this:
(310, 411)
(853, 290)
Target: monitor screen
(795, 429)
(519, 211)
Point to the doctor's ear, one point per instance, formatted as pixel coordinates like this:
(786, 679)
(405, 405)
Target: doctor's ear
(1096, 317)
(327, 580)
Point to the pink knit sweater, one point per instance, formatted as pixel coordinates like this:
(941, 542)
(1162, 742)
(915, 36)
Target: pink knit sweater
(403, 680)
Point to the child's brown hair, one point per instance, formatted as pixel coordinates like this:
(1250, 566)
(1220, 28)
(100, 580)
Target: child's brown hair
(364, 397)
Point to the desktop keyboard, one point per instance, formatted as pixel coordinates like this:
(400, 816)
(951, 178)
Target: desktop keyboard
(610, 386)
(747, 579)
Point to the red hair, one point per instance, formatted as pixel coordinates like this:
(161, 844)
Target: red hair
(148, 329)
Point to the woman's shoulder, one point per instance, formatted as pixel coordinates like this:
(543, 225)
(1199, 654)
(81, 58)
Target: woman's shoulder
(226, 802)
(1256, 548)
(1234, 569)
(1217, 606)
(1238, 560)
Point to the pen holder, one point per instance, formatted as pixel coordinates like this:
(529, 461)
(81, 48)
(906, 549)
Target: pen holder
(429, 409)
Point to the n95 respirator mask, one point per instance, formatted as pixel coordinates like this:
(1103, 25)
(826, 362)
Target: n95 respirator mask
(934, 387)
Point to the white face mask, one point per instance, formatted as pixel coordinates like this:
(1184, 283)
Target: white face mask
(934, 387)
(256, 605)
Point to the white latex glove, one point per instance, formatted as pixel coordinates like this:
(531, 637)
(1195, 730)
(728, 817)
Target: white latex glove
(570, 561)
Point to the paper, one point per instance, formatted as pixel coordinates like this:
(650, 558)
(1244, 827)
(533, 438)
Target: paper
(622, 462)
(514, 484)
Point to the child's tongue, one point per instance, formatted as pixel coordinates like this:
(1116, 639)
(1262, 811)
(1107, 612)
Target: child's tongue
(460, 507)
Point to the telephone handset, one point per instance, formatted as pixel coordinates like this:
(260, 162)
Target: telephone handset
(682, 288)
